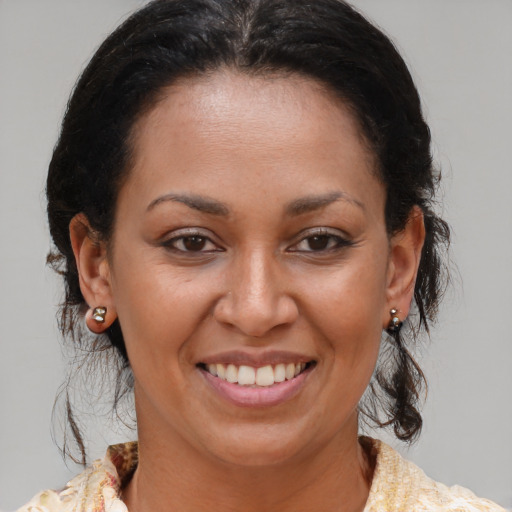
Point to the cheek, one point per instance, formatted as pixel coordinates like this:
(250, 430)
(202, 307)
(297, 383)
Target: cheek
(159, 310)
(346, 308)
(348, 304)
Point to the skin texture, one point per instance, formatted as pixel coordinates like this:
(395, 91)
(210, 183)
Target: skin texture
(275, 161)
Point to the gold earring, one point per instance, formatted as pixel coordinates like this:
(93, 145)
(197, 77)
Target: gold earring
(395, 324)
(99, 314)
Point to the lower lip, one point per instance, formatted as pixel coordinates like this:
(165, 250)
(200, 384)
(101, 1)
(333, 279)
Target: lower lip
(245, 396)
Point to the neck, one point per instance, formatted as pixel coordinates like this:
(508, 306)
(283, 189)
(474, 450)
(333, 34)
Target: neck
(172, 475)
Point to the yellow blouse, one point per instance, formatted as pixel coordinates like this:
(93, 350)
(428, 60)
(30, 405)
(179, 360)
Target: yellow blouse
(398, 486)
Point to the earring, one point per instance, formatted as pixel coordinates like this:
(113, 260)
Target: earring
(99, 314)
(395, 323)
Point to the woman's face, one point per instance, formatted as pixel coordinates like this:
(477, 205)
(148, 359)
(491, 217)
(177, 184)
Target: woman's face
(250, 244)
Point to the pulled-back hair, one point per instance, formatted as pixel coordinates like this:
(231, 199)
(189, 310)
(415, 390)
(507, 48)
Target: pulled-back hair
(326, 40)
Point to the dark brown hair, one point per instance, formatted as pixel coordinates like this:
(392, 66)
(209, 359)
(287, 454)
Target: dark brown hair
(326, 40)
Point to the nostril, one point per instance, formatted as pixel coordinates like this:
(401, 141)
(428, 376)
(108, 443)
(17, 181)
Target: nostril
(255, 314)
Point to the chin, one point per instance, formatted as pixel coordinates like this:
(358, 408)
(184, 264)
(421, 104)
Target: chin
(265, 446)
(258, 455)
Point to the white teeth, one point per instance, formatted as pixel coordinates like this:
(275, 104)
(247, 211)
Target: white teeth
(279, 373)
(290, 371)
(246, 375)
(232, 373)
(265, 376)
(221, 371)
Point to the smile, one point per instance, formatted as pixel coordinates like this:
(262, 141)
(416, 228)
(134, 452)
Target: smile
(263, 379)
(263, 376)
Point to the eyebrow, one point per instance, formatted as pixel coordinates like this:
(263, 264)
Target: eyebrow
(299, 206)
(196, 202)
(311, 203)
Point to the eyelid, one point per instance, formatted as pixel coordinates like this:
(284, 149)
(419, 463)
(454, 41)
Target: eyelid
(181, 233)
(343, 238)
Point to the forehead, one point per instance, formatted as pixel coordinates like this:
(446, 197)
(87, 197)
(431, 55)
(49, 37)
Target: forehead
(242, 131)
(235, 105)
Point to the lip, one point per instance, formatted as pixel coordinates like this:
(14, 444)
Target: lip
(239, 358)
(259, 397)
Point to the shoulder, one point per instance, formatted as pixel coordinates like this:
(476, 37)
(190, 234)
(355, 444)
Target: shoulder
(97, 489)
(400, 485)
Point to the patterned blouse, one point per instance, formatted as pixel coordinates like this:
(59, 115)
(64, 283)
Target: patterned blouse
(397, 486)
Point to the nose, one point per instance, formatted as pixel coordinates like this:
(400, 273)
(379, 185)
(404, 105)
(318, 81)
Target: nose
(257, 300)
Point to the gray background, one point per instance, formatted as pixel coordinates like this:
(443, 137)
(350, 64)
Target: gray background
(461, 55)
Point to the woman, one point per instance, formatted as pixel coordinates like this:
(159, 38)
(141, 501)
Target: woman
(241, 198)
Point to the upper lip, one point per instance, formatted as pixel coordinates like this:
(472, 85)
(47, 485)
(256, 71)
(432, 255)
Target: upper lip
(238, 358)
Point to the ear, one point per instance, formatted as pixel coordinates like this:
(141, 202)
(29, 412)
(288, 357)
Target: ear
(93, 271)
(405, 255)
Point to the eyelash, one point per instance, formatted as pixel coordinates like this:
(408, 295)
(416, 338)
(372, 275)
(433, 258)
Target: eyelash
(333, 242)
(190, 236)
(340, 242)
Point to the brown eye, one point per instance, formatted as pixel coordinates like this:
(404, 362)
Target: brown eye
(194, 243)
(319, 242)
